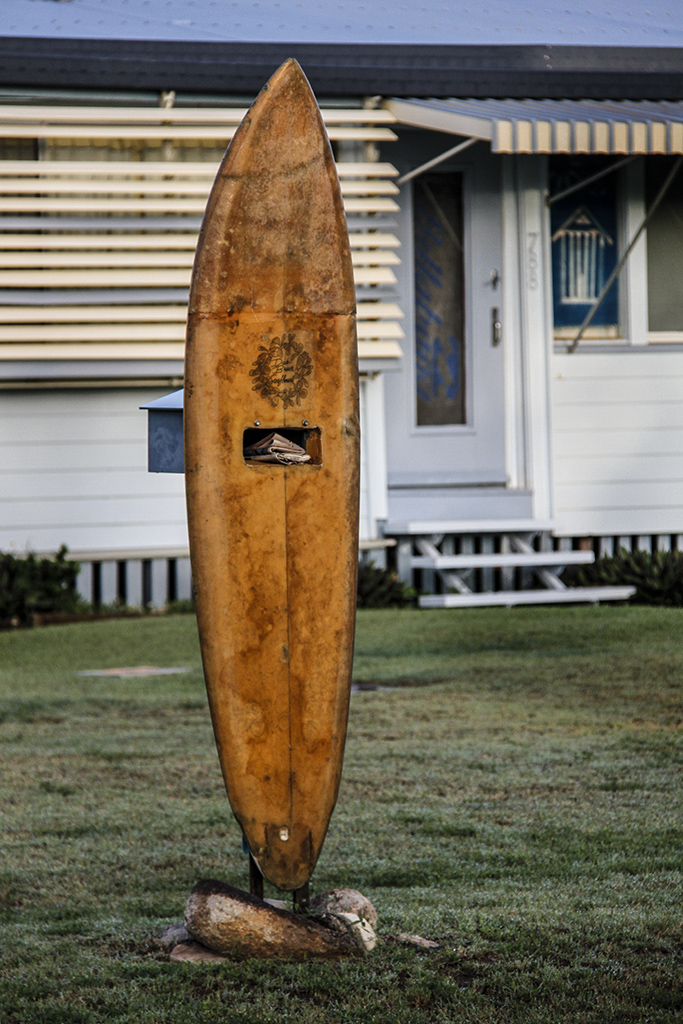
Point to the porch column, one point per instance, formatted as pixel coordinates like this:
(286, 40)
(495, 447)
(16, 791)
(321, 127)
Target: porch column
(373, 466)
(536, 327)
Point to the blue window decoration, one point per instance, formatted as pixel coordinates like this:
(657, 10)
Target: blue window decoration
(581, 257)
(584, 247)
(439, 313)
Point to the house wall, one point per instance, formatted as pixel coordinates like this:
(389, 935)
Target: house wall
(95, 270)
(73, 465)
(618, 441)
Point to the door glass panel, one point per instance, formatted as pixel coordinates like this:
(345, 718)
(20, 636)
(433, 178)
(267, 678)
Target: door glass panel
(584, 247)
(665, 249)
(439, 300)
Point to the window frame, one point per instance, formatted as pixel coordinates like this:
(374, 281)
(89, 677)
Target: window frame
(632, 304)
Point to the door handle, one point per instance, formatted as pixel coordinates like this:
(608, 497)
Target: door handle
(496, 326)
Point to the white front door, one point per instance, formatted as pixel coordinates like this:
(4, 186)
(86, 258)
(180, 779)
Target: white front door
(445, 411)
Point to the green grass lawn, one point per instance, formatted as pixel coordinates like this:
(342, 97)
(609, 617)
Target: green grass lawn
(512, 789)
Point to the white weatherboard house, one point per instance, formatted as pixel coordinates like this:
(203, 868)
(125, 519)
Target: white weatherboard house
(515, 204)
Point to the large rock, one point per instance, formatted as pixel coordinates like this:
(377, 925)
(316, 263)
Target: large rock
(345, 901)
(194, 952)
(350, 912)
(172, 936)
(232, 922)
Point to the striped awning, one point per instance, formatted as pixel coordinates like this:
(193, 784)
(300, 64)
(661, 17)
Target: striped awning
(552, 126)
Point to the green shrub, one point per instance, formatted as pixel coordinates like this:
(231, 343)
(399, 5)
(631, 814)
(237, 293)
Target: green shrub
(181, 606)
(381, 588)
(658, 577)
(29, 585)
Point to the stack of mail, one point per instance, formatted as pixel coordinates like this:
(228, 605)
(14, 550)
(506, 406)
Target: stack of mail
(276, 448)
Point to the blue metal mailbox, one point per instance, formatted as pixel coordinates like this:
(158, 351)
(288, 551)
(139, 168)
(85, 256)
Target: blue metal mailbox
(165, 434)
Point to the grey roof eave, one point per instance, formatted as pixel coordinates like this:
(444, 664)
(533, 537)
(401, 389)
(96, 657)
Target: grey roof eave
(402, 69)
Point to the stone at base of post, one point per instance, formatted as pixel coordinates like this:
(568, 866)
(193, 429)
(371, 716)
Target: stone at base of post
(234, 923)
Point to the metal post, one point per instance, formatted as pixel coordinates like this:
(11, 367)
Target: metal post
(589, 181)
(146, 582)
(453, 151)
(172, 580)
(122, 583)
(301, 899)
(96, 586)
(255, 878)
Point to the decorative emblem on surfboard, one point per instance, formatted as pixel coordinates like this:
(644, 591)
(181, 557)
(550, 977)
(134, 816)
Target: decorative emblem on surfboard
(281, 370)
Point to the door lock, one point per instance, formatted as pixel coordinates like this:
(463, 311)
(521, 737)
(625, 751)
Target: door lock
(496, 326)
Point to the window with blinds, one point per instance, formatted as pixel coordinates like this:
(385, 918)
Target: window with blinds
(100, 208)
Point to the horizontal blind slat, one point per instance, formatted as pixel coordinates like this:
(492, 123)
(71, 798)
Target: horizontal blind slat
(139, 277)
(147, 116)
(41, 315)
(154, 350)
(156, 168)
(91, 314)
(126, 332)
(140, 258)
(171, 204)
(219, 133)
(150, 187)
(66, 241)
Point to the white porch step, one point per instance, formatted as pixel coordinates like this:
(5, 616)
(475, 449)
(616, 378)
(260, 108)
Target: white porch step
(502, 561)
(508, 598)
(428, 536)
(376, 543)
(476, 527)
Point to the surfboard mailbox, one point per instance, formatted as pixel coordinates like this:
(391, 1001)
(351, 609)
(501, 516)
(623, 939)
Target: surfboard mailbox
(165, 450)
(271, 456)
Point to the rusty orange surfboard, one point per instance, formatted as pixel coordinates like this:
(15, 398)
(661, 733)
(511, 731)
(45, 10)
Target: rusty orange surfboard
(272, 473)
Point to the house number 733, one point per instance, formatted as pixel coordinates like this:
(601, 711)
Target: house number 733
(532, 260)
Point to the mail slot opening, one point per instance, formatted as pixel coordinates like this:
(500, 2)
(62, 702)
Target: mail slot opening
(283, 446)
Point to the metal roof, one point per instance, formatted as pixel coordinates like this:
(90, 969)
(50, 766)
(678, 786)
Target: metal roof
(552, 126)
(475, 48)
(418, 22)
(174, 401)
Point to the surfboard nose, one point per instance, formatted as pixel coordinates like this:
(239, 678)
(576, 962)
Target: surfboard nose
(274, 234)
(289, 74)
